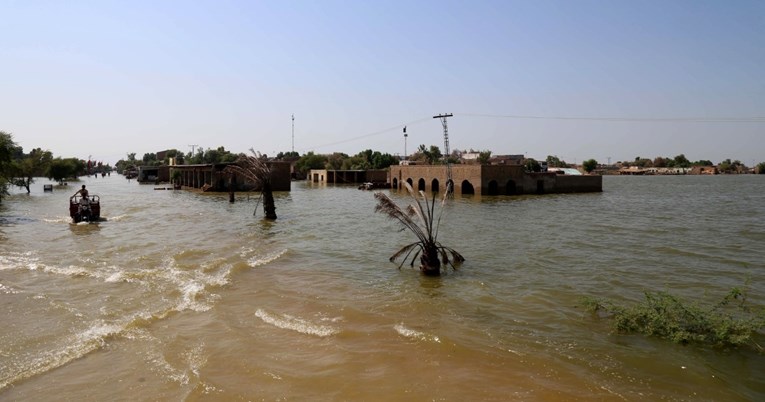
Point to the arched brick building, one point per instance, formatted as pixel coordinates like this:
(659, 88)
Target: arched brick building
(491, 180)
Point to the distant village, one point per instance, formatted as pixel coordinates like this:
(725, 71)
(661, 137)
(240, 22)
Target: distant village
(300, 165)
(483, 172)
(427, 169)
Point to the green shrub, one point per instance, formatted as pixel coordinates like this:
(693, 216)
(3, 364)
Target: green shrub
(728, 323)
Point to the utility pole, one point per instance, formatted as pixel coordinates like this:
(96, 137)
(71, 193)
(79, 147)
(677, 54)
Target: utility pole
(405, 135)
(293, 133)
(449, 182)
(193, 146)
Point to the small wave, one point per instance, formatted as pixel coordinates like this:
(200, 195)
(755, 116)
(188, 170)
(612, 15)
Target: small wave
(115, 277)
(265, 259)
(18, 260)
(410, 333)
(118, 218)
(190, 291)
(192, 284)
(7, 290)
(83, 343)
(286, 321)
(27, 261)
(58, 219)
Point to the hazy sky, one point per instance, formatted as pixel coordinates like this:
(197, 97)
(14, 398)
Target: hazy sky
(660, 78)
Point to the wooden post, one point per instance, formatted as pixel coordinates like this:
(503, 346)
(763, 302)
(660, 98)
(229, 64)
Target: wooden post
(230, 188)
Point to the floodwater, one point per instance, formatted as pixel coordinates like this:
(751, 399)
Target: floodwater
(184, 296)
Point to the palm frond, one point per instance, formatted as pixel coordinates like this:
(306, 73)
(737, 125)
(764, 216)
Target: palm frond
(252, 167)
(392, 210)
(406, 251)
(420, 218)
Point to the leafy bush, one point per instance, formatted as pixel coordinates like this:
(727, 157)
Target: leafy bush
(728, 323)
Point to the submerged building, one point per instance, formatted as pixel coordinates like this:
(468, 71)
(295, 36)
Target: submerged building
(491, 180)
(211, 177)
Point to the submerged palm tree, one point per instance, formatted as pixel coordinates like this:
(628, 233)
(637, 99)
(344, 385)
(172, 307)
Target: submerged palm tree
(255, 168)
(424, 224)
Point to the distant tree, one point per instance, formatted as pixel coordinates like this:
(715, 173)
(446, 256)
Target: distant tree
(429, 155)
(435, 154)
(739, 167)
(532, 165)
(418, 156)
(174, 153)
(7, 150)
(358, 162)
(126, 164)
(149, 159)
(725, 166)
(681, 161)
(62, 169)
(335, 161)
(554, 161)
(761, 168)
(196, 158)
(589, 165)
(457, 155)
(310, 161)
(659, 162)
(642, 162)
(218, 155)
(703, 162)
(484, 157)
(26, 168)
(382, 161)
(213, 156)
(287, 155)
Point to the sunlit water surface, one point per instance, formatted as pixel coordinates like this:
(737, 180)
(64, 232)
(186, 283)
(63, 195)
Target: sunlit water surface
(184, 296)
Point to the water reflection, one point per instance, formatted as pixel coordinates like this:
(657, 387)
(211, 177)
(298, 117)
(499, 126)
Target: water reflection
(432, 285)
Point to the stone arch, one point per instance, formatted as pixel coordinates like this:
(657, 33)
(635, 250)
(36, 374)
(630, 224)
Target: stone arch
(450, 185)
(395, 183)
(434, 185)
(421, 184)
(510, 188)
(409, 180)
(467, 187)
(493, 188)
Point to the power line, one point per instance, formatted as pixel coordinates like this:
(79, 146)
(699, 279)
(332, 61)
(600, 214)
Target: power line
(389, 129)
(712, 119)
(750, 119)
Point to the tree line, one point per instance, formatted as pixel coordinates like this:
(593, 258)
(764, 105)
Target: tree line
(680, 161)
(369, 159)
(19, 168)
(364, 160)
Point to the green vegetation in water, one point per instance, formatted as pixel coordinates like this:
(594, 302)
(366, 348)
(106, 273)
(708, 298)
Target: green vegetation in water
(731, 322)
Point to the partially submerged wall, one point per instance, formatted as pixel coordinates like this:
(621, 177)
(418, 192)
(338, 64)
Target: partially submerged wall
(491, 180)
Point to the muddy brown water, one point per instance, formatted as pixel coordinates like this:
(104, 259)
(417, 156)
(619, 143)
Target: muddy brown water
(184, 296)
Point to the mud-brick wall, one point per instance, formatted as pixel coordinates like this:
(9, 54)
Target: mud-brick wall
(460, 173)
(281, 179)
(578, 184)
(377, 176)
